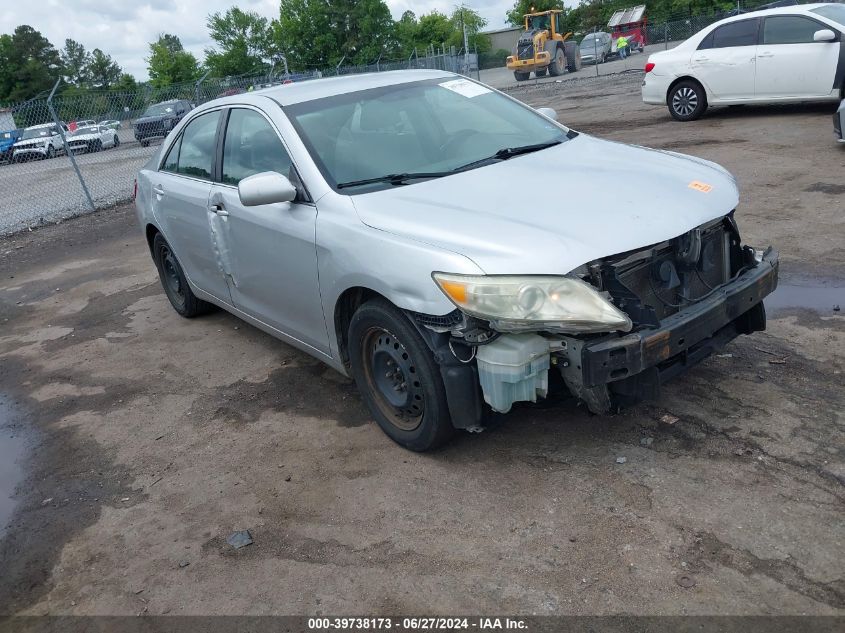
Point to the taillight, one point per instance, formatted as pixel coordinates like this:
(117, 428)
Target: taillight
(135, 190)
(649, 67)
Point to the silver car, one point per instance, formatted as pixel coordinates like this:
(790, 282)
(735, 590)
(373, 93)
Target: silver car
(595, 48)
(426, 235)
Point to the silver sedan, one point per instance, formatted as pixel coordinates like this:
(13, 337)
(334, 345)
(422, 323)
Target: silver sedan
(449, 247)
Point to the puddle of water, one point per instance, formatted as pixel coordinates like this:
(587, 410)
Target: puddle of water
(820, 297)
(12, 448)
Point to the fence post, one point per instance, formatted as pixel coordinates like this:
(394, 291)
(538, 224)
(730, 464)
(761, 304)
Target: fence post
(197, 87)
(68, 151)
(337, 68)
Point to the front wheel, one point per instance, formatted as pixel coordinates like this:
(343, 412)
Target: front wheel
(687, 101)
(116, 141)
(51, 153)
(398, 377)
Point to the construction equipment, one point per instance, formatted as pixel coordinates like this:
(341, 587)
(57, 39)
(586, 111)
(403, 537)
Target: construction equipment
(543, 49)
(630, 23)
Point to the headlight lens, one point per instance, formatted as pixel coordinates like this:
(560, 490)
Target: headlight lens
(526, 302)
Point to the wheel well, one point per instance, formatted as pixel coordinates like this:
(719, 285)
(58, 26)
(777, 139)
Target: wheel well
(679, 80)
(151, 232)
(347, 304)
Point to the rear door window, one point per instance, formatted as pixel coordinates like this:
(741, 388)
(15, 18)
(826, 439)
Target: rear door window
(196, 151)
(789, 29)
(742, 33)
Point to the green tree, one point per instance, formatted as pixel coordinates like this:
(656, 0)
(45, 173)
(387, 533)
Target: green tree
(434, 29)
(521, 7)
(29, 64)
(169, 63)
(405, 32)
(316, 33)
(75, 61)
(461, 17)
(102, 70)
(244, 42)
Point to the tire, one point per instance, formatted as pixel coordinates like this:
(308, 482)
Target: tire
(558, 65)
(573, 56)
(686, 100)
(116, 141)
(521, 76)
(398, 377)
(174, 282)
(51, 152)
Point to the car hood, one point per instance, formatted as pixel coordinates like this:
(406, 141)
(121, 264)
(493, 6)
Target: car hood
(31, 142)
(524, 215)
(82, 137)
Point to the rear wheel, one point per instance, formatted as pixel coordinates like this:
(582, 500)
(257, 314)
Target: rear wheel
(51, 152)
(116, 141)
(398, 377)
(687, 100)
(521, 76)
(558, 65)
(173, 280)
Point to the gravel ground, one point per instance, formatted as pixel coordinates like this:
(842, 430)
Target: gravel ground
(149, 439)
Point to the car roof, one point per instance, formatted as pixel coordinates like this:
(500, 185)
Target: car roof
(796, 9)
(298, 92)
(33, 127)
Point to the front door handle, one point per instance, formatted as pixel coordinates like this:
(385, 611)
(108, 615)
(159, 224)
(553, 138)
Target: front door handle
(767, 54)
(701, 59)
(219, 210)
(158, 190)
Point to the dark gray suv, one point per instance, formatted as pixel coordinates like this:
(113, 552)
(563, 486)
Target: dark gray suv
(159, 119)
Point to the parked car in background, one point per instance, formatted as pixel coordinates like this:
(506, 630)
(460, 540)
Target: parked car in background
(779, 55)
(839, 123)
(595, 48)
(112, 124)
(38, 141)
(7, 140)
(92, 139)
(374, 222)
(159, 119)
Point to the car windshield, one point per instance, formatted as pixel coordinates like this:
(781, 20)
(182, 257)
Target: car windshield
(87, 130)
(835, 12)
(159, 109)
(36, 132)
(590, 39)
(425, 127)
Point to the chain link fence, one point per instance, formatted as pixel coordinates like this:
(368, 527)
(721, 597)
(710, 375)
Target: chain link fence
(70, 153)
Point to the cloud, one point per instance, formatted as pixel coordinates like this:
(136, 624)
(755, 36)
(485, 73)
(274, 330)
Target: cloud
(124, 30)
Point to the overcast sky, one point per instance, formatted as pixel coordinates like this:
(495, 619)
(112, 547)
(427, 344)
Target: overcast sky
(124, 28)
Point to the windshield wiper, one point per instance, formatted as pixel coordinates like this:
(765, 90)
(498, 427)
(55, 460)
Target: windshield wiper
(395, 179)
(402, 179)
(509, 152)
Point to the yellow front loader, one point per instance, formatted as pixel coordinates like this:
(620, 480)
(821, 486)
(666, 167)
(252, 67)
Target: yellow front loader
(543, 49)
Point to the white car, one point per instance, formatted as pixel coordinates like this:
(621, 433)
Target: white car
(92, 139)
(38, 141)
(789, 54)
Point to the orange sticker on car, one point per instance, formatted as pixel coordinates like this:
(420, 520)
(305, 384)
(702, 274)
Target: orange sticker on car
(703, 187)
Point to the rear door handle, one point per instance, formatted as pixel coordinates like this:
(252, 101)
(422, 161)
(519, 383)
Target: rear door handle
(158, 190)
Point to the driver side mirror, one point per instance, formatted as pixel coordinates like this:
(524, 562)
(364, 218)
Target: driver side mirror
(824, 35)
(268, 187)
(549, 113)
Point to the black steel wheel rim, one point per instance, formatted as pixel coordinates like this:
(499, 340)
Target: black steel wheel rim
(392, 377)
(172, 278)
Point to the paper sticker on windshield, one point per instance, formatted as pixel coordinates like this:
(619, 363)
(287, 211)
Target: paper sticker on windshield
(465, 87)
(703, 187)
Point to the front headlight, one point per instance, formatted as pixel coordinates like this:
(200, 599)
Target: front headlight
(531, 302)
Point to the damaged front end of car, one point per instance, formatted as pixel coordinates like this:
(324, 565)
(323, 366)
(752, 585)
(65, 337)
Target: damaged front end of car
(614, 329)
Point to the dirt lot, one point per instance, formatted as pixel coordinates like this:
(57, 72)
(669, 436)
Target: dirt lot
(151, 438)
